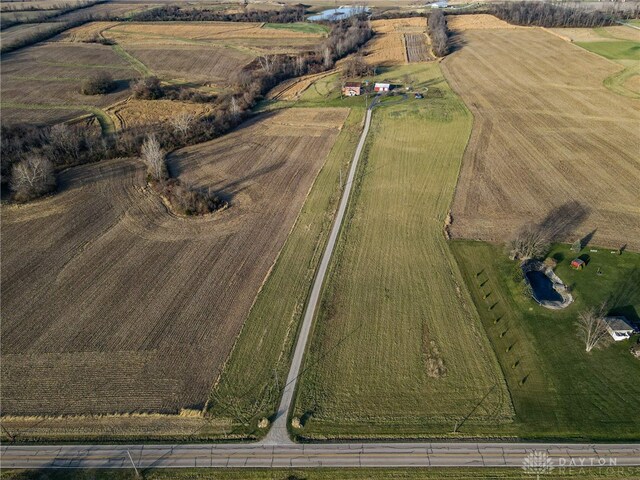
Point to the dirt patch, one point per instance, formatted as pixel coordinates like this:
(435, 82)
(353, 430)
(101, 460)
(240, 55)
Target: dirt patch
(416, 45)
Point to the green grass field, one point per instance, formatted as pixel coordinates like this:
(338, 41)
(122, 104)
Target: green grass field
(614, 50)
(304, 27)
(394, 304)
(326, 474)
(252, 381)
(558, 389)
(624, 52)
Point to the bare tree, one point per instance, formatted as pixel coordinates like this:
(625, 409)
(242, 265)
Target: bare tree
(592, 328)
(266, 63)
(32, 177)
(529, 242)
(65, 140)
(182, 123)
(153, 157)
(327, 57)
(234, 107)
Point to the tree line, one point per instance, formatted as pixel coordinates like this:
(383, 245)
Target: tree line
(438, 33)
(62, 145)
(46, 16)
(544, 14)
(171, 13)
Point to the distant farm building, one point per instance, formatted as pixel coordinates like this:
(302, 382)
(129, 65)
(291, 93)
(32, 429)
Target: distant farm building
(577, 263)
(618, 328)
(352, 89)
(382, 87)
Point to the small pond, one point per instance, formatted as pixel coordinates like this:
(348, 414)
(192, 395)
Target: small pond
(546, 288)
(339, 13)
(542, 287)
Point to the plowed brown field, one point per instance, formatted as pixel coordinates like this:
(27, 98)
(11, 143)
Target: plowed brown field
(546, 132)
(111, 304)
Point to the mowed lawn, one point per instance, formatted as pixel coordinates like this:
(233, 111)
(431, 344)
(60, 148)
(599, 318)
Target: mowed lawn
(397, 347)
(558, 389)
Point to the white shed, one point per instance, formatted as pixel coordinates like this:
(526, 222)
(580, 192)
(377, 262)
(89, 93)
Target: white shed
(618, 328)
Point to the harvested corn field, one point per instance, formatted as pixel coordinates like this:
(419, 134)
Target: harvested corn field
(86, 32)
(47, 78)
(388, 44)
(124, 307)
(133, 113)
(482, 21)
(546, 132)
(213, 66)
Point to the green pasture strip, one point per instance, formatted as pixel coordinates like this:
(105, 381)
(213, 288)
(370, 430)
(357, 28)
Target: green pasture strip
(137, 65)
(253, 378)
(614, 50)
(394, 309)
(616, 82)
(436, 473)
(106, 124)
(42, 79)
(558, 389)
(82, 65)
(303, 27)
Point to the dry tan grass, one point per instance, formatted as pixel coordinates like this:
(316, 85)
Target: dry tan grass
(388, 46)
(85, 32)
(112, 304)
(97, 427)
(209, 31)
(134, 113)
(460, 23)
(606, 34)
(292, 89)
(546, 132)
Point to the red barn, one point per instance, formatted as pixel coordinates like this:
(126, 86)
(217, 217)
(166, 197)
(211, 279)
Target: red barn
(577, 264)
(351, 89)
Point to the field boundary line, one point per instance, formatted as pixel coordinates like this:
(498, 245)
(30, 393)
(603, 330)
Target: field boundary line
(133, 61)
(278, 435)
(106, 124)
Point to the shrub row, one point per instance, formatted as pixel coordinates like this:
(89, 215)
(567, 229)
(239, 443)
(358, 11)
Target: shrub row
(438, 32)
(176, 13)
(66, 146)
(543, 14)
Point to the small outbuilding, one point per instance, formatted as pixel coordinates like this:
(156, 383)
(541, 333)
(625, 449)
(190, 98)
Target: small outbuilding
(382, 87)
(352, 89)
(618, 327)
(577, 263)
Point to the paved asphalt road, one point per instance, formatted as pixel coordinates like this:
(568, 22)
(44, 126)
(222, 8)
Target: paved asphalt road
(277, 450)
(323, 455)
